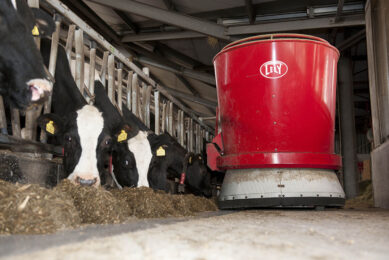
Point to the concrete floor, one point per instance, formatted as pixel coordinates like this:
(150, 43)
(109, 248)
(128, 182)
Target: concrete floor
(251, 234)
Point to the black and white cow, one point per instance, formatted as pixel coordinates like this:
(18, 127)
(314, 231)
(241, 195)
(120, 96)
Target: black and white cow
(85, 131)
(23, 78)
(170, 160)
(157, 158)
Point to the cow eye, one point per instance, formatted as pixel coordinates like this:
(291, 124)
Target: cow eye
(126, 162)
(69, 139)
(108, 141)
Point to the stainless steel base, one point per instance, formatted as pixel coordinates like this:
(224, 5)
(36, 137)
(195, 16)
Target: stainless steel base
(280, 187)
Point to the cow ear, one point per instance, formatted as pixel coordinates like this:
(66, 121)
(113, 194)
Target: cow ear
(44, 23)
(123, 134)
(51, 124)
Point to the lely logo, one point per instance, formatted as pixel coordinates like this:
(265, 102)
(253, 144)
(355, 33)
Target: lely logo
(273, 69)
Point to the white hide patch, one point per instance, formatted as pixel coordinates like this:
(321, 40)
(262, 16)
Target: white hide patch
(14, 4)
(90, 124)
(139, 145)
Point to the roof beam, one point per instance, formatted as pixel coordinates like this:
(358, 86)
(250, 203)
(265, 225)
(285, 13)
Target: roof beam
(339, 10)
(177, 56)
(191, 98)
(188, 85)
(169, 5)
(205, 77)
(87, 14)
(196, 94)
(163, 63)
(168, 17)
(126, 19)
(250, 11)
(284, 26)
(307, 24)
(188, 104)
(159, 36)
(351, 41)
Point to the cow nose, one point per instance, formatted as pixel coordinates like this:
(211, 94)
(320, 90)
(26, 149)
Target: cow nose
(40, 89)
(86, 182)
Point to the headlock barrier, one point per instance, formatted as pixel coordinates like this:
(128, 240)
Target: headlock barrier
(125, 83)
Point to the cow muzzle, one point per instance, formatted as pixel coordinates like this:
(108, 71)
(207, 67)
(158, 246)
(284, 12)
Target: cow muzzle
(40, 89)
(86, 182)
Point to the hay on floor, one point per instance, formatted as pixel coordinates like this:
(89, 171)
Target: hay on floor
(31, 209)
(365, 200)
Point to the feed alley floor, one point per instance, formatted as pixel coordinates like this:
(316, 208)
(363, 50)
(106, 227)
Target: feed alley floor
(249, 234)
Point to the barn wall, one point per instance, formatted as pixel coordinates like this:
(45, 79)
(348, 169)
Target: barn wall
(377, 33)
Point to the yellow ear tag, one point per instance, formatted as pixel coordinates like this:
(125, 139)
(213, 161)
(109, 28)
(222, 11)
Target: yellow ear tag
(161, 151)
(122, 136)
(50, 127)
(35, 31)
(190, 160)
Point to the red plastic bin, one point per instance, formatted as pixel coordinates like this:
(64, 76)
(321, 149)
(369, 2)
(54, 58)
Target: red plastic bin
(277, 96)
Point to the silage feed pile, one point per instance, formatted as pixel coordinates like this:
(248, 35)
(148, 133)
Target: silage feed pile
(363, 201)
(31, 209)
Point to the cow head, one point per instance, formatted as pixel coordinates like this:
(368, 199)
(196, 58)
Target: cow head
(123, 160)
(197, 176)
(87, 143)
(23, 78)
(124, 165)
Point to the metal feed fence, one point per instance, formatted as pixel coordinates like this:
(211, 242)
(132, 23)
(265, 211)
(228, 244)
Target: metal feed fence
(124, 81)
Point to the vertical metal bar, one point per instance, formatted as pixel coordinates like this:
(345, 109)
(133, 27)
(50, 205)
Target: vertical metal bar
(190, 135)
(195, 137)
(92, 69)
(52, 66)
(129, 89)
(3, 119)
(111, 78)
(54, 48)
(200, 137)
(69, 41)
(186, 132)
(163, 126)
(104, 67)
(135, 93)
(198, 133)
(30, 119)
(156, 111)
(147, 106)
(347, 127)
(182, 127)
(167, 117)
(120, 87)
(140, 96)
(79, 75)
(142, 112)
(15, 119)
(201, 140)
(178, 125)
(170, 118)
(35, 4)
(207, 136)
